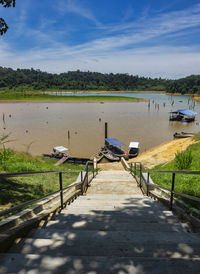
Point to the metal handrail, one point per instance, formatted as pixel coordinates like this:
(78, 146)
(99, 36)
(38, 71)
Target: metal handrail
(30, 173)
(18, 207)
(141, 177)
(83, 182)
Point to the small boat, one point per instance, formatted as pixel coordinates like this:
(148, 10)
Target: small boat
(59, 152)
(113, 146)
(133, 149)
(108, 155)
(183, 135)
(183, 115)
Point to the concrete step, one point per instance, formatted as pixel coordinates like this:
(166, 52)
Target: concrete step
(114, 173)
(112, 187)
(133, 212)
(151, 227)
(102, 245)
(109, 197)
(145, 204)
(115, 178)
(34, 263)
(136, 237)
(116, 217)
(114, 207)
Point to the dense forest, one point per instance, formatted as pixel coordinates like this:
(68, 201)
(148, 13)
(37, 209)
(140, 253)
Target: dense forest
(190, 84)
(30, 80)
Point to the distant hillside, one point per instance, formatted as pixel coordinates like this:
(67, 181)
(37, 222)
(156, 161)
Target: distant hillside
(30, 79)
(190, 84)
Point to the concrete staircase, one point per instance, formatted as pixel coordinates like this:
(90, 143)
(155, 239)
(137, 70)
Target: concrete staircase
(113, 229)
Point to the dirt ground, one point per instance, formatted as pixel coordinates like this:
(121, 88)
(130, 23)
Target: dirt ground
(158, 155)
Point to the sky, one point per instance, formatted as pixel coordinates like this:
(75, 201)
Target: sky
(156, 38)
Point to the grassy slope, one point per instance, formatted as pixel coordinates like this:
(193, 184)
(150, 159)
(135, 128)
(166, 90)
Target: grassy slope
(14, 191)
(189, 184)
(28, 96)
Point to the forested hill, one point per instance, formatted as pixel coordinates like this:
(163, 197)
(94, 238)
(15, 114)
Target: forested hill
(30, 79)
(190, 84)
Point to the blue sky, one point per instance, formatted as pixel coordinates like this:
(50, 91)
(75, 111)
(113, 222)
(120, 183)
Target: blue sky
(156, 38)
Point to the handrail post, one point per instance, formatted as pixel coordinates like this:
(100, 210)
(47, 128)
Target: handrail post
(148, 184)
(93, 169)
(172, 190)
(95, 165)
(140, 175)
(61, 190)
(131, 168)
(81, 176)
(82, 182)
(87, 174)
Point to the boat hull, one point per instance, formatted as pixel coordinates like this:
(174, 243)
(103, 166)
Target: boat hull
(183, 135)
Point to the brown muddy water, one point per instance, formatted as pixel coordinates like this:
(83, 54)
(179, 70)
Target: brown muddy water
(45, 125)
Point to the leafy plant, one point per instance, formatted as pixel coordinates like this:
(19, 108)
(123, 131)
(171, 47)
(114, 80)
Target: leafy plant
(183, 160)
(5, 153)
(4, 139)
(28, 146)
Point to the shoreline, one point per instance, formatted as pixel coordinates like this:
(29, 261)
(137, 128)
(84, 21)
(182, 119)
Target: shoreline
(72, 99)
(123, 91)
(158, 155)
(78, 102)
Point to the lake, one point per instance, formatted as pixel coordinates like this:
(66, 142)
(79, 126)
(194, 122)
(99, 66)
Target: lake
(45, 125)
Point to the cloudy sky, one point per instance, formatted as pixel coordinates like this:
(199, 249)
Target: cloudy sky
(156, 38)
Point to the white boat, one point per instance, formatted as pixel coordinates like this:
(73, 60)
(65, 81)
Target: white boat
(59, 151)
(133, 149)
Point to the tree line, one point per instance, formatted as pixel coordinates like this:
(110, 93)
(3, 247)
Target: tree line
(31, 79)
(189, 84)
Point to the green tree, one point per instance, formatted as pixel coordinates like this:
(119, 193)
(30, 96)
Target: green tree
(5, 4)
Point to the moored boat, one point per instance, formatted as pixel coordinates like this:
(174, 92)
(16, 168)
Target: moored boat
(59, 152)
(113, 146)
(183, 115)
(108, 155)
(183, 135)
(133, 149)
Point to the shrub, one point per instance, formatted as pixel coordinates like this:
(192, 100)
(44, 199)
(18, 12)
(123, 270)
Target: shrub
(21, 167)
(183, 160)
(5, 156)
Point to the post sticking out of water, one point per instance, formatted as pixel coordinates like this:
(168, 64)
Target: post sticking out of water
(106, 130)
(68, 135)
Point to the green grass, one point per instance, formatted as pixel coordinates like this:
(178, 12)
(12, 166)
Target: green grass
(42, 97)
(14, 191)
(196, 137)
(184, 183)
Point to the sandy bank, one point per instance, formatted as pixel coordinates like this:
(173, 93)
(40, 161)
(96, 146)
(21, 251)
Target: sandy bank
(158, 155)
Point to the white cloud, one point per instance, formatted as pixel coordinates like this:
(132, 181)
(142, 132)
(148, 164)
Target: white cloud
(74, 6)
(167, 62)
(110, 53)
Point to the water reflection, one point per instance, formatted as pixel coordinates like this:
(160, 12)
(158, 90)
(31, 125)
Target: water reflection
(80, 126)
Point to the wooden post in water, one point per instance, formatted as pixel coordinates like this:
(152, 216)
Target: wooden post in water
(106, 130)
(68, 137)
